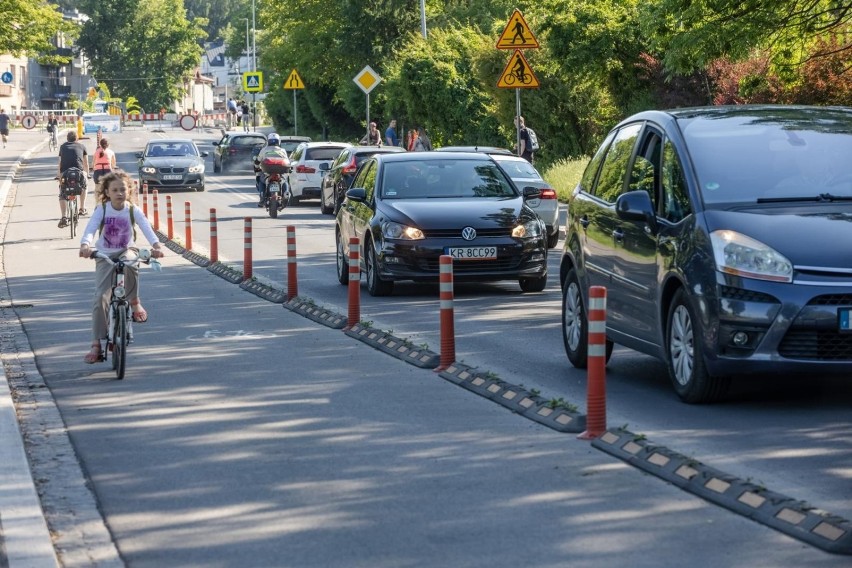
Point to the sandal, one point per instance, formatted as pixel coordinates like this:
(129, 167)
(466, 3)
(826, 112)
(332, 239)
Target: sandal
(95, 355)
(139, 314)
(63, 223)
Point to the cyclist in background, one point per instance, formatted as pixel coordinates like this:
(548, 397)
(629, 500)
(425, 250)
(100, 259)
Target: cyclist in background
(72, 154)
(52, 126)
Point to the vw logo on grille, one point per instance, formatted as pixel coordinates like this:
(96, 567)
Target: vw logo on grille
(468, 233)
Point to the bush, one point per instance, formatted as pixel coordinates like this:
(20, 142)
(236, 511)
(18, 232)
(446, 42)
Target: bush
(564, 175)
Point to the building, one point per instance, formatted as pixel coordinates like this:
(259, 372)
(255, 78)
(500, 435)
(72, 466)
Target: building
(14, 91)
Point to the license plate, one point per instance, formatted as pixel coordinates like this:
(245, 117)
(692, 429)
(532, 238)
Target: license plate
(274, 188)
(472, 253)
(172, 176)
(844, 319)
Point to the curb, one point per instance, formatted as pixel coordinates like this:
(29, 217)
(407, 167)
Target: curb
(516, 398)
(310, 310)
(402, 349)
(232, 275)
(264, 291)
(784, 514)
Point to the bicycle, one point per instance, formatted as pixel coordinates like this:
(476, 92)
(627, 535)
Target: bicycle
(52, 142)
(70, 193)
(119, 313)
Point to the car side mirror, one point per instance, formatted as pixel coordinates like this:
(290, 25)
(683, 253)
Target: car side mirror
(139, 155)
(531, 192)
(204, 154)
(636, 206)
(324, 167)
(358, 194)
(216, 143)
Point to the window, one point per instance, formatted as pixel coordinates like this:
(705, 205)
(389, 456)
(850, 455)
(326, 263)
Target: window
(594, 164)
(644, 175)
(675, 196)
(611, 179)
(369, 180)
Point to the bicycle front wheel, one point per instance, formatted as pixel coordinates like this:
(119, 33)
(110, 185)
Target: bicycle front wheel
(119, 347)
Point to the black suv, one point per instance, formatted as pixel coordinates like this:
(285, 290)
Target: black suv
(342, 171)
(234, 150)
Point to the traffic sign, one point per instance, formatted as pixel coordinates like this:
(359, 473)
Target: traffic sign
(517, 34)
(7, 77)
(517, 74)
(187, 122)
(367, 79)
(29, 121)
(294, 81)
(253, 81)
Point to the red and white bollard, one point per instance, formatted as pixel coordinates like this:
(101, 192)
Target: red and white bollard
(354, 282)
(292, 277)
(596, 382)
(170, 226)
(214, 237)
(187, 209)
(156, 211)
(448, 332)
(145, 198)
(247, 248)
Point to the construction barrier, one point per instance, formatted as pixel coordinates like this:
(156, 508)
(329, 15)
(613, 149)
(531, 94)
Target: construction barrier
(354, 315)
(187, 209)
(214, 237)
(292, 279)
(596, 383)
(448, 333)
(247, 249)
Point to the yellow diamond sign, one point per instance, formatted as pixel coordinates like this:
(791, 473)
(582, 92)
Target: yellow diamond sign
(367, 79)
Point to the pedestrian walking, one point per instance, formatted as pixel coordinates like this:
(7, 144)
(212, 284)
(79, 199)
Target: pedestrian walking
(4, 125)
(372, 138)
(391, 139)
(423, 143)
(525, 144)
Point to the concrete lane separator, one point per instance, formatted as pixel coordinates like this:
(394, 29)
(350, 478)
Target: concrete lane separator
(402, 349)
(784, 514)
(306, 307)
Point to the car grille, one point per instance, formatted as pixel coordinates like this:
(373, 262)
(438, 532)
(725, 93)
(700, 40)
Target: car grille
(171, 170)
(471, 266)
(825, 345)
(738, 294)
(456, 233)
(832, 300)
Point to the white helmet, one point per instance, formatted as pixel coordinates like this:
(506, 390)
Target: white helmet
(273, 140)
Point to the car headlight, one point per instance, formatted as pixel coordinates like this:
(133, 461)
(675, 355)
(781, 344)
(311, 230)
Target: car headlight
(148, 170)
(196, 169)
(392, 230)
(529, 229)
(740, 255)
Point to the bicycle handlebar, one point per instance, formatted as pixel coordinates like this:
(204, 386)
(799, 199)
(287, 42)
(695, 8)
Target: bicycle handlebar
(143, 258)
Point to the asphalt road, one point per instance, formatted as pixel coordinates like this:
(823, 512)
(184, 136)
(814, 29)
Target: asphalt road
(247, 435)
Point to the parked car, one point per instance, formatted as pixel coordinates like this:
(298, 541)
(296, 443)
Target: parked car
(493, 150)
(722, 237)
(410, 208)
(236, 150)
(524, 174)
(306, 175)
(172, 164)
(342, 170)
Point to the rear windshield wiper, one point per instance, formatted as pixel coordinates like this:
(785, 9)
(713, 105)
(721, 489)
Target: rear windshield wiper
(821, 198)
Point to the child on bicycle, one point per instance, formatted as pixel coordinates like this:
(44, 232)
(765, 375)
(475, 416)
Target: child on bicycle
(116, 218)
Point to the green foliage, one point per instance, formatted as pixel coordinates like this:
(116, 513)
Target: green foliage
(564, 175)
(29, 28)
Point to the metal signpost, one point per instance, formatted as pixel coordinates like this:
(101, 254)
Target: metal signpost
(367, 79)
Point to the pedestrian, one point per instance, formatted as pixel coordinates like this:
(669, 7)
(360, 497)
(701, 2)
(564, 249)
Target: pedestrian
(72, 154)
(104, 161)
(116, 219)
(372, 138)
(232, 111)
(4, 125)
(412, 139)
(246, 115)
(525, 142)
(423, 143)
(391, 139)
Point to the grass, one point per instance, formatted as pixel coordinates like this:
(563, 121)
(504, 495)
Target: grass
(564, 175)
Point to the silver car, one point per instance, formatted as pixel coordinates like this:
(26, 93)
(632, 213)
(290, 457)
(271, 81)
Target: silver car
(306, 175)
(547, 206)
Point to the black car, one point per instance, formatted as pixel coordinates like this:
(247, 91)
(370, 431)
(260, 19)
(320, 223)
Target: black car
(234, 150)
(722, 236)
(172, 164)
(483, 149)
(409, 209)
(342, 170)
(289, 143)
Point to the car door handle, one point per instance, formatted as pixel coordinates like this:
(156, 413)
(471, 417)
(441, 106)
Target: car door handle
(618, 235)
(585, 222)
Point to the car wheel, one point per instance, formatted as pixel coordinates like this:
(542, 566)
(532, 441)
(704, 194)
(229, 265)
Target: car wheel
(533, 284)
(375, 285)
(342, 262)
(575, 324)
(553, 239)
(323, 208)
(685, 355)
(201, 187)
(216, 167)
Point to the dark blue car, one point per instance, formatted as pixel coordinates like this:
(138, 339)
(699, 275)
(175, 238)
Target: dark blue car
(722, 235)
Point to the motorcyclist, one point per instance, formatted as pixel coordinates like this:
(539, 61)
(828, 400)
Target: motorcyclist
(272, 149)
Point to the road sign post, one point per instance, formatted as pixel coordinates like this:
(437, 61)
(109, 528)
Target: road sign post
(367, 79)
(517, 75)
(294, 83)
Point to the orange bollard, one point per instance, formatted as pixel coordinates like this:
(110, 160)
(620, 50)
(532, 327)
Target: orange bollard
(170, 226)
(156, 210)
(214, 237)
(596, 384)
(292, 279)
(448, 332)
(247, 249)
(187, 209)
(145, 198)
(354, 282)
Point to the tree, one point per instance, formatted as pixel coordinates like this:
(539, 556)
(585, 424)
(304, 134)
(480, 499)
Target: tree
(29, 27)
(144, 49)
(218, 14)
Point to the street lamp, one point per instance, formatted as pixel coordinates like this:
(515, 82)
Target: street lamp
(422, 18)
(253, 35)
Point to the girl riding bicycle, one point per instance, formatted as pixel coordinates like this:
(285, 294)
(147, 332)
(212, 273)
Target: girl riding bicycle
(116, 218)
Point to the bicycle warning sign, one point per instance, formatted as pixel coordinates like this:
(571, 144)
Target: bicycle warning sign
(517, 74)
(517, 34)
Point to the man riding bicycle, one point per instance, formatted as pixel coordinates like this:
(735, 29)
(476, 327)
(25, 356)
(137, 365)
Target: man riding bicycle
(52, 126)
(72, 154)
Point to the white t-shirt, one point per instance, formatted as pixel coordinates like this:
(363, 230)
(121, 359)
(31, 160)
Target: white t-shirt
(118, 232)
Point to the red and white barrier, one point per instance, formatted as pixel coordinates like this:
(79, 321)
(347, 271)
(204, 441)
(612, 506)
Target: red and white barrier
(292, 278)
(448, 332)
(247, 271)
(156, 210)
(145, 198)
(187, 210)
(170, 227)
(354, 315)
(596, 382)
(214, 237)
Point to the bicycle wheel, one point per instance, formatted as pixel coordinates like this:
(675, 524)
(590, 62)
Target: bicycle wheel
(119, 347)
(73, 215)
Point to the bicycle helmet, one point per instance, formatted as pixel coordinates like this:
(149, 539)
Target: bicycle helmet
(273, 140)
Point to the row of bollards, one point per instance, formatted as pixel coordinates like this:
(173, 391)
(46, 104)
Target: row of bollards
(596, 332)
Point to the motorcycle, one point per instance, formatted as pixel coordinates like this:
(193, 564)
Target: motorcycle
(277, 193)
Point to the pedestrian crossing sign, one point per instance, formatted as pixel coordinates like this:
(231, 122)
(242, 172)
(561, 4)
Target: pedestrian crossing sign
(253, 81)
(517, 74)
(517, 34)
(293, 81)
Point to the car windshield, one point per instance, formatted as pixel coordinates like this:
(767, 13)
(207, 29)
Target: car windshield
(445, 179)
(171, 149)
(744, 159)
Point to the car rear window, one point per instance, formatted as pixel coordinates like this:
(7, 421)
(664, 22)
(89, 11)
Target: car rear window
(249, 141)
(324, 153)
(519, 169)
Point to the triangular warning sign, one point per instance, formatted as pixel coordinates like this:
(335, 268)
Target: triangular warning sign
(517, 74)
(517, 34)
(294, 81)
(252, 81)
